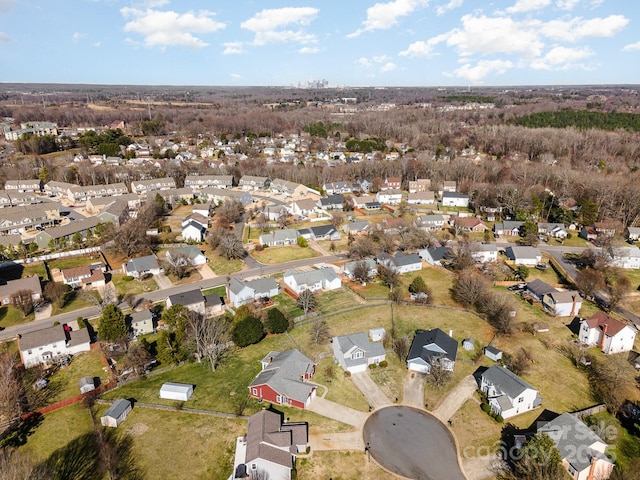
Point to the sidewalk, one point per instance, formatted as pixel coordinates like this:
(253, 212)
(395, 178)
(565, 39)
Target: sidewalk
(371, 391)
(337, 412)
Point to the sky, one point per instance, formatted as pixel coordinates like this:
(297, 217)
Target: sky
(348, 42)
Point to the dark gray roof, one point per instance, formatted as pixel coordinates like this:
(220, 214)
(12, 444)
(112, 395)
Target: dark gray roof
(573, 439)
(322, 230)
(191, 297)
(31, 283)
(212, 300)
(118, 408)
(140, 316)
(334, 199)
(402, 259)
(508, 225)
(261, 285)
(359, 340)
(522, 252)
(454, 195)
(270, 439)
(492, 350)
(506, 381)
(433, 343)
(142, 264)
(78, 337)
(438, 253)
(540, 288)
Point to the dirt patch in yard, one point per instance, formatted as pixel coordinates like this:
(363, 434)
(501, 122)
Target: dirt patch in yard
(138, 429)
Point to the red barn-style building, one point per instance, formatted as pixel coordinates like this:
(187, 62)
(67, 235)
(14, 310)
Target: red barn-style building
(284, 379)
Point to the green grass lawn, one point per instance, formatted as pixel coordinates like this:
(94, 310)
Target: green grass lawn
(65, 380)
(35, 269)
(375, 290)
(10, 316)
(221, 291)
(74, 300)
(135, 287)
(335, 300)
(222, 266)
(438, 279)
(287, 305)
(391, 378)
(341, 245)
(341, 389)
(288, 253)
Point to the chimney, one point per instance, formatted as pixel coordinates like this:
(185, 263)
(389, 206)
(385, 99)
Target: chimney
(451, 333)
(592, 469)
(573, 307)
(603, 335)
(270, 359)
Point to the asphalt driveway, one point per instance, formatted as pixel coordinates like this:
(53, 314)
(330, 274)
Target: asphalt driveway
(412, 443)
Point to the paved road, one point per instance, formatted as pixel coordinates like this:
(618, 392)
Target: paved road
(412, 443)
(161, 295)
(371, 391)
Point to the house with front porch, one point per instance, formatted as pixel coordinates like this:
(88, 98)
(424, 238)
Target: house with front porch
(46, 345)
(430, 348)
(240, 291)
(608, 334)
(278, 238)
(355, 352)
(322, 279)
(508, 395)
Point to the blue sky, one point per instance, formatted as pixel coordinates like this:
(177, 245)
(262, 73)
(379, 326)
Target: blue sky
(350, 42)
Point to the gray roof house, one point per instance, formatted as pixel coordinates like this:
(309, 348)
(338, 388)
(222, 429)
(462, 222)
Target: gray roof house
(510, 228)
(355, 352)
(529, 256)
(401, 262)
(270, 446)
(321, 232)
(357, 228)
(583, 452)
(507, 394)
(240, 292)
(48, 344)
(332, 202)
(192, 254)
(431, 347)
(116, 413)
(434, 256)
(314, 280)
(277, 238)
(31, 284)
(138, 267)
(141, 323)
(349, 267)
(191, 299)
(539, 289)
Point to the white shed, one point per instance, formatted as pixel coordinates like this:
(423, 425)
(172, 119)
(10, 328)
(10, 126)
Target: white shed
(116, 413)
(493, 353)
(377, 334)
(86, 384)
(176, 391)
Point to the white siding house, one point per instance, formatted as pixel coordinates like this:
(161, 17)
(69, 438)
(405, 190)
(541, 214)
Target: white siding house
(355, 352)
(315, 280)
(508, 394)
(606, 333)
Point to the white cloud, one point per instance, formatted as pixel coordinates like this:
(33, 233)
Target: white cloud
(567, 4)
(233, 48)
(528, 5)
(475, 74)
(442, 9)
(380, 58)
(169, 28)
(308, 50)
(561, 58)
(268, 25)
(365, 62)
(631, 47)
(4, 38)
(96, 44)
(577, 28)
(388, 67)
(235, 76)
(151, 3)
(421, 48)
(383, 16)
(77, 36)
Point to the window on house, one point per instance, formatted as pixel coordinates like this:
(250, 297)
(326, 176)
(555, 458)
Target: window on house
(278, 399)
(254, 466)
(358, 354)
(255, 391)
(29, 352)
(521, 399)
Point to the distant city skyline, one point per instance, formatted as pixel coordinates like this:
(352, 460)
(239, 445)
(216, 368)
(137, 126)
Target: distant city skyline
(360, 43)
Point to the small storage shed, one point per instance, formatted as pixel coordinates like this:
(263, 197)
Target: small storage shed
(377, 334)
(86, 384)
(468, 344)
(116, 413)
(493, 353)
(176, 391)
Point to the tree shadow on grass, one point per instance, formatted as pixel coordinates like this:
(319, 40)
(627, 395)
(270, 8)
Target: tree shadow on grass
(77, 460)
(18, 435)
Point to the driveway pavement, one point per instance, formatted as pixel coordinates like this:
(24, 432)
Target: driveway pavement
(480, 468)
(456, 398)
(370, 390)
(163, 281)
(44, 312)
(337, 412)
(414, 390)
(336, 441)
(205, 272)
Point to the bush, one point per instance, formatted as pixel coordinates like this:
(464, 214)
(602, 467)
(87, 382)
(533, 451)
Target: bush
(82, 323)
(276, 322)
(55, 324)
(302, 242)
(383, 364)
(499, 419)
(372, 366)
(569, 236)
(127, 278)
(347, 373)
(258, 248)
(247, 332)
(485, 407)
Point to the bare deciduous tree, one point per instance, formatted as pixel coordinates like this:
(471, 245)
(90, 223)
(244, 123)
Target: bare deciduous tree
(231, 247)
(438, 375)
(319, 331)
(55, 292)
(23, 301)
(211, 337)
(361, 271)
(178, 264)
(10, 386)
(612, 380)
(307, 301)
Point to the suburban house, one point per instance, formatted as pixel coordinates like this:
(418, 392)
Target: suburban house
(391, 183)
(193, 231)
(435, 255)
(449, 186)
(45, 346)
(566, 303)
(65, 233)
(507, 394)
(283, 379)
(193, 300)
(190, 254)
(141, 323)
(321, 232)
(31, 284)
(389, 197)
(116, 413)
(419, 185)
(430, 222)
(277, 238)
(633, 234)
(269, 448)
(249, 182)
(421, 198)
(430, 348)
(357, 228)
(146, 187)
(197, 182)
(605, 229)
(332, 188)
(303, 207)
(22, 186)
(583, 453)
(529, 256)
(204, 209)
(89, 276)
(289, 189)
(484, 252)
(626, 257)
(401, 262)
(509, 228)
(554, 230)
(314, 280)
(539, 289)
(332, 202)
(469, 224)
(240, 292)
(275, 212)
(455, 199)
(349, 267)
(608, 334)
(96, 205)
(355, 352)
(141, 266)
(173, 196)
(221, 195)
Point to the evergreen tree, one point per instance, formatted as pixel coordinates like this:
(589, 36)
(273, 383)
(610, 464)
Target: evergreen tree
(112, 325)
